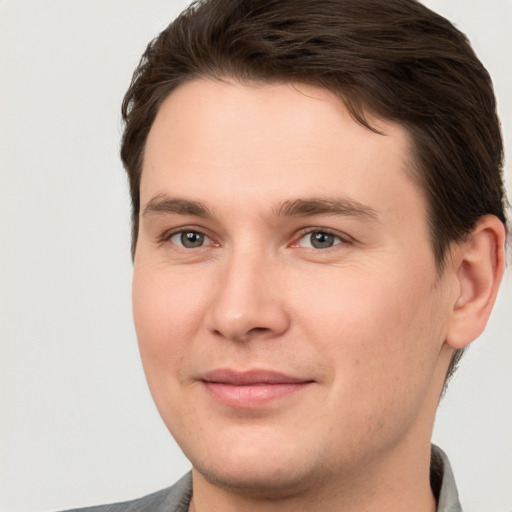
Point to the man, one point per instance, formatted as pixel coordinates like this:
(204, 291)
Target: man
(318, 233)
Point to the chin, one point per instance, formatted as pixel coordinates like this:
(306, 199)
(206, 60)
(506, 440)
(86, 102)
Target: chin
(267, 481)
(260, 467)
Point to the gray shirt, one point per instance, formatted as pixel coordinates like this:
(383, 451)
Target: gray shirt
(177, 497)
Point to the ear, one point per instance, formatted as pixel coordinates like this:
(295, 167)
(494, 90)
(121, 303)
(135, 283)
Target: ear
(480, 263)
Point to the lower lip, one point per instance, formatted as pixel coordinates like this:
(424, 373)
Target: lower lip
(253, 395)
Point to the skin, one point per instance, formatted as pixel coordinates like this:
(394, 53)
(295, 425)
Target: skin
(363, 320)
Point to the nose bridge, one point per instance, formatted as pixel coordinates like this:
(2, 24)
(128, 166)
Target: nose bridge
(247, 301)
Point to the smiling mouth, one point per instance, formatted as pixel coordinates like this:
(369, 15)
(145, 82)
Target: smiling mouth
(251, 389)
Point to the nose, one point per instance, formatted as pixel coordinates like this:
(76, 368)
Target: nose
(248, 300)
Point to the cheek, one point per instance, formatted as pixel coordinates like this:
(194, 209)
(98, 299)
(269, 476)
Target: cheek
(167, 312)
(381, 353)
(377, 333)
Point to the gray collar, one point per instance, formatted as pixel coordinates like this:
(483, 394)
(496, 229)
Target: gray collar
(443, 482)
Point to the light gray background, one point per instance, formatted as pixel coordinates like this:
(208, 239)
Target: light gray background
(78, 426)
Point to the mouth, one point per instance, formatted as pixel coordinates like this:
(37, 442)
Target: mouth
(251, 389)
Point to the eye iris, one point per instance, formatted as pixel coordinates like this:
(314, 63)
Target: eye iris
(320, 240)
(192, 239)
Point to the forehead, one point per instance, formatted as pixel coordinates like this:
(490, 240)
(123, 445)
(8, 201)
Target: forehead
(269, 140)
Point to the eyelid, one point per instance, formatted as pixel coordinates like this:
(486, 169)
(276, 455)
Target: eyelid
(345, 239)
(167, 235)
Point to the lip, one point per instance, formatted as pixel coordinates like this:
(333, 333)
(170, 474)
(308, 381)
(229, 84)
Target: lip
(251, 389)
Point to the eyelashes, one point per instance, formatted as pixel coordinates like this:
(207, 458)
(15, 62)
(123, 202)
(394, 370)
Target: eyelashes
(190, 239)
(311, 238)
(319, 238)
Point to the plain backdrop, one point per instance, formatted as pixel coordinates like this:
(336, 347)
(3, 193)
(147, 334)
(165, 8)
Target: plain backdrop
(78, 426)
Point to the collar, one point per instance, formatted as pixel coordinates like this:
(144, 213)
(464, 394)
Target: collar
(442, 482)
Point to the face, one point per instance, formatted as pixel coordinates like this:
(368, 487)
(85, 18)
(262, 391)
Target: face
(286, 301)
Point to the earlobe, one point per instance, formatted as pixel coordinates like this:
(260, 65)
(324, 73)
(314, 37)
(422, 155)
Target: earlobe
(480, 267)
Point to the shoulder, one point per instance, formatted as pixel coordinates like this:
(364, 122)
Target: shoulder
(172, 499)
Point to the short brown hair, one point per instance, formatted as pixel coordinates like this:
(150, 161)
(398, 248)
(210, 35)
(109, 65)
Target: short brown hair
(394, 59)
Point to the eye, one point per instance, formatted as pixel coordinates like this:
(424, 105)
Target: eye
(190, 239)
(319, 240)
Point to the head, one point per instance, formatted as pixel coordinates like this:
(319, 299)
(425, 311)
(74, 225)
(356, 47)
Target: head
(413, 91)
(392, 60)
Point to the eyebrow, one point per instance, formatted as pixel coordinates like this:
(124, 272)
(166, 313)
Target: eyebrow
(292, 208)
(164, 204)
(326, 206)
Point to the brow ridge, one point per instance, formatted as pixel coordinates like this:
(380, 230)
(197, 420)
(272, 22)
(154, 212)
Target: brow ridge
(165, 204)
(322, 206)
(291, 208)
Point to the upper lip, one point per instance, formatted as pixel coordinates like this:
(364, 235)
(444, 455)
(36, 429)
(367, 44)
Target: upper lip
(249, 377)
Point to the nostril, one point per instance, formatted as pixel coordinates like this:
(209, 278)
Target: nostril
(244, 336)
